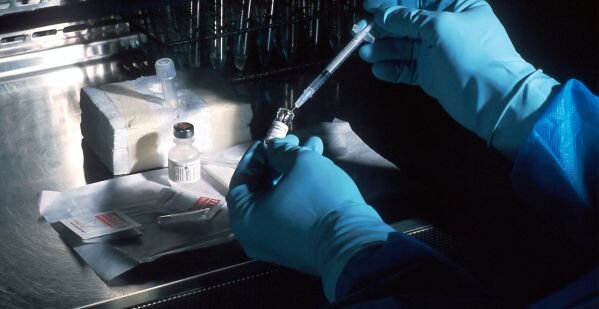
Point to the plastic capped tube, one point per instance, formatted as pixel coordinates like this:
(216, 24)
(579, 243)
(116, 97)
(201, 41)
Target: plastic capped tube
(166, 73)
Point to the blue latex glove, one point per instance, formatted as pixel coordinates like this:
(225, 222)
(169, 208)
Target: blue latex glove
(313, 219)
(460, 54)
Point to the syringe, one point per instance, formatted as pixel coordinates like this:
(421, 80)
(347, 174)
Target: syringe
(360, 36)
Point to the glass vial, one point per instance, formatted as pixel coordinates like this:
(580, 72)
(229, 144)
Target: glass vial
(166, 73)
(280, 126)
(183, 158)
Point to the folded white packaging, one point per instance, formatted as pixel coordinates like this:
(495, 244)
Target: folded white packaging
(130, 129)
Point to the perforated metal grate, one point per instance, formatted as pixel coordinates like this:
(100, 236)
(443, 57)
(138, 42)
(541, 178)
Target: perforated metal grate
(276, 288)
(435, 238)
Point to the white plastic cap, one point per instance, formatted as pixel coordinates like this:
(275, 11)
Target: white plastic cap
(165, 68)
(362, 26)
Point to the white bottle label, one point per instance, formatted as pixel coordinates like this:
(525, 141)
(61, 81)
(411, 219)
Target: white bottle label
(184, 172)
(277, 130)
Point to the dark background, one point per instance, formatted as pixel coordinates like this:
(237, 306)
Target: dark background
(560, 37)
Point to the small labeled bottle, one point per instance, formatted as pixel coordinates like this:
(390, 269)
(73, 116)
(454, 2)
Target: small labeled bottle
(183, 158)
(280, 126)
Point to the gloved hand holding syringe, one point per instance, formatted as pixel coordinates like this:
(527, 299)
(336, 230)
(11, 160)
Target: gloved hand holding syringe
(280, 125)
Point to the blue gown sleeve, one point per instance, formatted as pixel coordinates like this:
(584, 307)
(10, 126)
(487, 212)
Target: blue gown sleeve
(557, 168)
(406, 272)
(556, 171)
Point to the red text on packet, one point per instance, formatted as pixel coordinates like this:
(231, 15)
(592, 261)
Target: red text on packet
(205, 202)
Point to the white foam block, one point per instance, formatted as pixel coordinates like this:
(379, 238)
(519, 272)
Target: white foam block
(130, 130)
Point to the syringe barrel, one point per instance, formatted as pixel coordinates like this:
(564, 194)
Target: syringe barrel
(319, 80)
(333, 65)
(312, 88)
(348, 49)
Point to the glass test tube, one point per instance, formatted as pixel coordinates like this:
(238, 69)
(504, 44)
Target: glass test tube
(265, 40)
(241, 51)
(314, 9)
(289, 31)
(353, 7)
(194, 33)
(218, 45)
(334, 25)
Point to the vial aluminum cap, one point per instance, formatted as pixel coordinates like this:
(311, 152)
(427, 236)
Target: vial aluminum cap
(165, 68)
(183, 130)
(285, 116)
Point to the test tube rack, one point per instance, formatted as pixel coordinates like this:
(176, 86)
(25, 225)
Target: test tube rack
(246, 39)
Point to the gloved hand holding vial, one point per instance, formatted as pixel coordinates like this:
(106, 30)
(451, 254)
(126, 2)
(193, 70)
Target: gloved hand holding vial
(311, 216)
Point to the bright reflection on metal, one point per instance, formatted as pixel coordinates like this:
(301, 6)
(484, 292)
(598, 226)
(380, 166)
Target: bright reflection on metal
(63, 88)
(71, 77)
(31, 62)
(61, 91)
(38, 61)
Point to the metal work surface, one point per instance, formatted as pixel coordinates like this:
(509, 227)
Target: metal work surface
(42, 150)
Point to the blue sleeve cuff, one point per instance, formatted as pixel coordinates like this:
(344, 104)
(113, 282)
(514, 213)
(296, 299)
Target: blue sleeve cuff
(557, 167)
(400, 266)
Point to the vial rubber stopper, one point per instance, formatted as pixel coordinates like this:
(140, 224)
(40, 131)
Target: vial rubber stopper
(183, 130)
